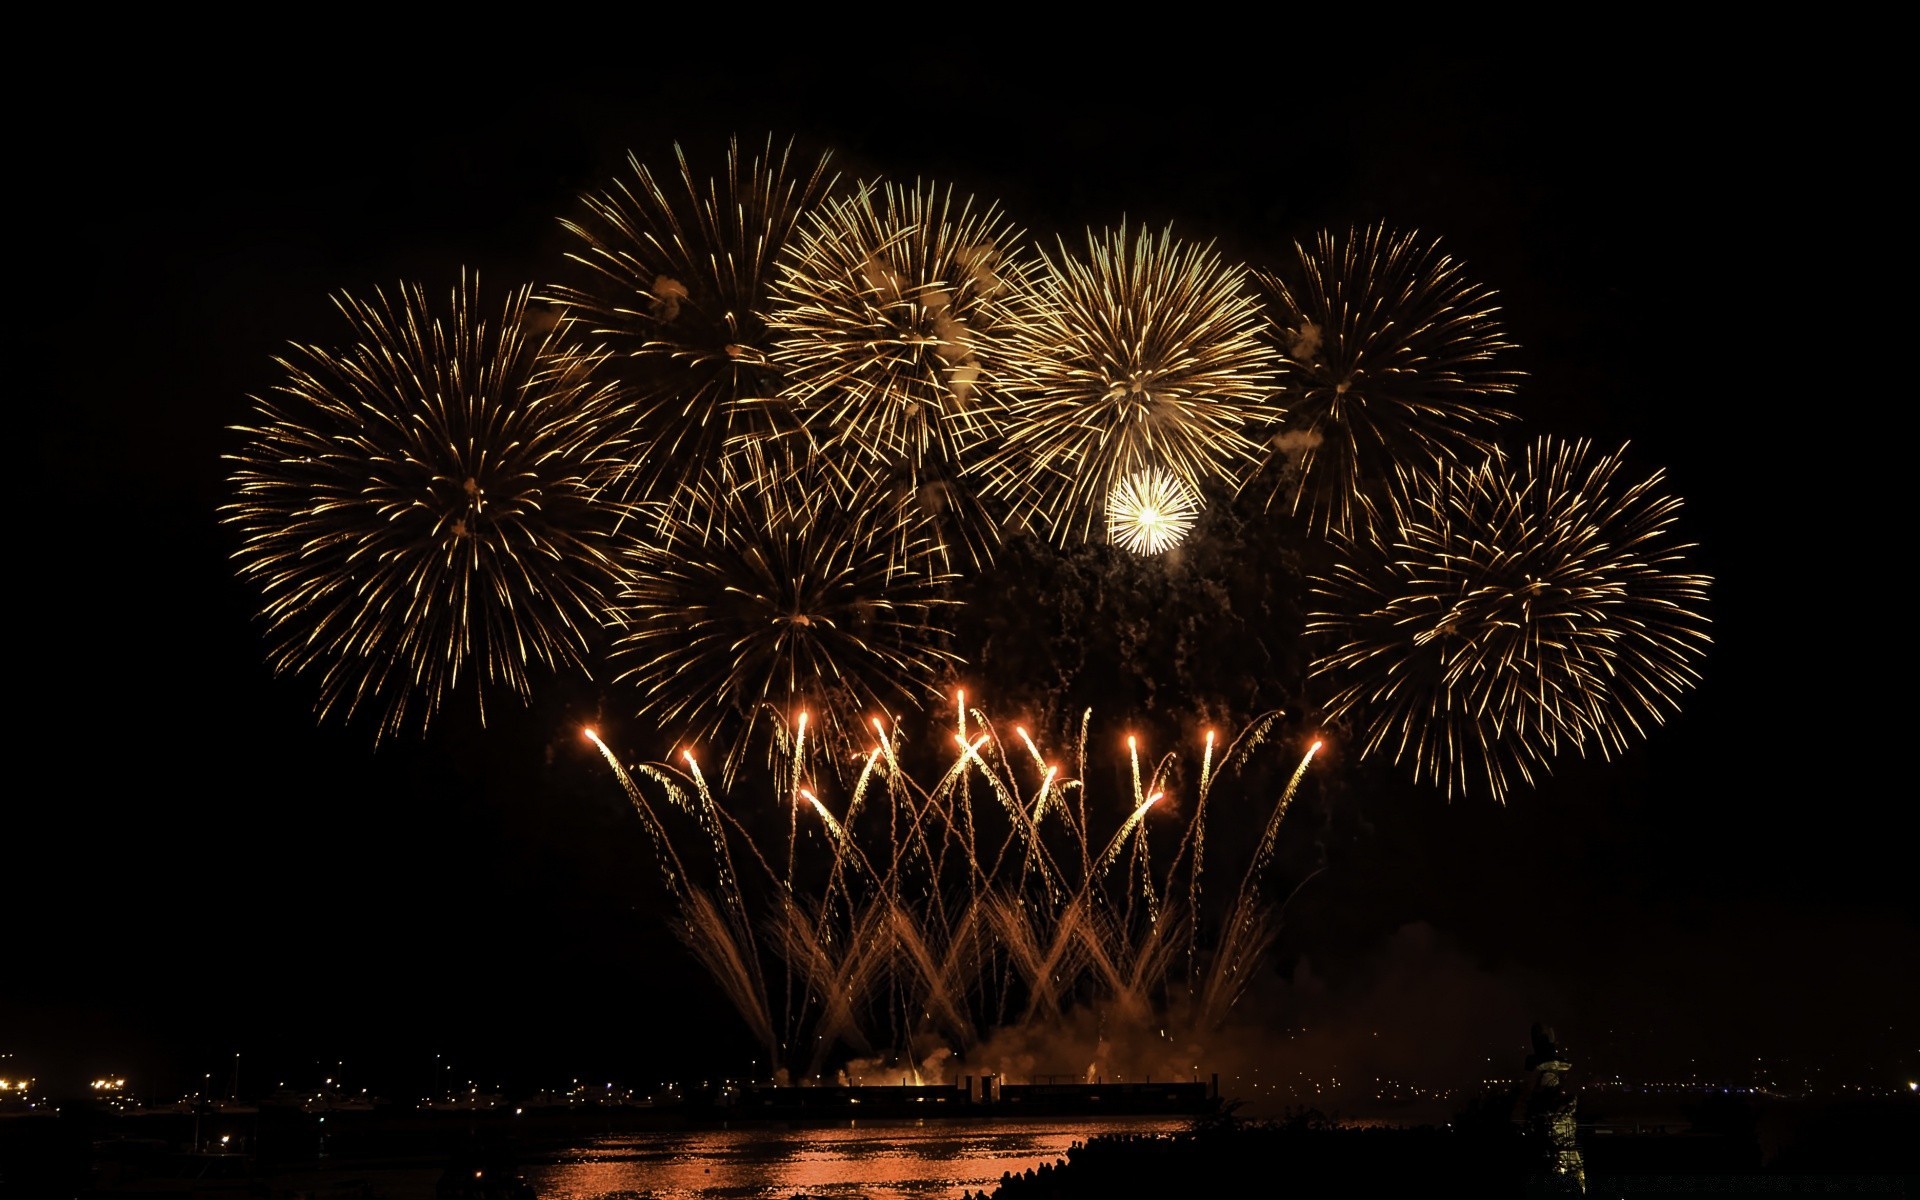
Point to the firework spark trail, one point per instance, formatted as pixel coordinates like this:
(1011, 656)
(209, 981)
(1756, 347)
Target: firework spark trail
(1196, 844)
(1193, 843)
(1130, 968)
(836, 877)
(1118, 841)
(1035, 852)
(962, 790)
(676, 281)
(1249, 739)
(1080, 766)
(1264, 850)
(936, 809)
(1392, 355)
(1250, 926)
(711, 816)
(797, 758)
(1142, 862)
(1048, 786)
(423, 505)
(1525, 608)
(715, 943)
(1022, 826)
(841, 829)
(1147, 353)
(893, 305)
(922, 810)
(1143, 867)
(671, 870)
(840, 981)
(719, 940)
(1015, 936)
(937, 969)
(843, 841)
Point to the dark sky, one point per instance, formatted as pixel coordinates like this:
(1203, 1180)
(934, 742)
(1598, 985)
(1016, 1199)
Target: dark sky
(195, 869)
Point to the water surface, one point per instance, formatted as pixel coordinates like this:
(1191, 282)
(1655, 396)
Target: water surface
(872, 1160)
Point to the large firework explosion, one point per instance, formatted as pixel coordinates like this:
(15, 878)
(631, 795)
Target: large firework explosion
(894, 306)
(1510, 611)
(793, 592)
(676, 278)
(1147, 353)
(422, 503)
(1392, 355)
(898, 922)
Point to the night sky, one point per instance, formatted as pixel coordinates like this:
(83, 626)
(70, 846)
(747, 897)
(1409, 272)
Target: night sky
(195, 869)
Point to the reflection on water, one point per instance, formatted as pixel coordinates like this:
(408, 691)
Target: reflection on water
(870, 1160)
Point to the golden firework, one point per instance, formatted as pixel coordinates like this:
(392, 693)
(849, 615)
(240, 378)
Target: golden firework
(1518, 609)
(893, 309)
(1392, 354)
(424, 505)
(1146, 353)
(673, 275)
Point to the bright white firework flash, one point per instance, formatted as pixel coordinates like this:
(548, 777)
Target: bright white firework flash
(1149, 511)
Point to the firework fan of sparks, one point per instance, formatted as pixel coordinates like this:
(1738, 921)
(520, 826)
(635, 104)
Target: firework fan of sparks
(1393, 355)
(422, 504)
(796, 595)
(1523, 608)
(1150, 511)
(997, 892)
(677, 277)
(893, 305)
(1148, 352)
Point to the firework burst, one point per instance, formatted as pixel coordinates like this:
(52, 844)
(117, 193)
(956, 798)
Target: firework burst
(796, 596)
(893, 308)
(1150, 511)
(1522, 609)
(421, 505)
(1393, 356)
(1147, 353)
(677, 274)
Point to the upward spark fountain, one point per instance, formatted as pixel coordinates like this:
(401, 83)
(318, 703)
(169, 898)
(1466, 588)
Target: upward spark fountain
(913, 926)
